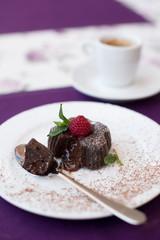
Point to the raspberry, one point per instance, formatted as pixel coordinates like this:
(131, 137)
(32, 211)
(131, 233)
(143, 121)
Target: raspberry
(80, 126)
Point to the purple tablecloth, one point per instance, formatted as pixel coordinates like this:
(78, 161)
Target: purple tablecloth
(17, 224)
(12, 104)
(27, 15)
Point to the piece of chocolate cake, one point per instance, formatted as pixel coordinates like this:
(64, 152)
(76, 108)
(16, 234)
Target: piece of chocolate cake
(77, 152)
(39, 159)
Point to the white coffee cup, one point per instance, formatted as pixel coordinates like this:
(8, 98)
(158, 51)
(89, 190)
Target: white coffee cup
(116, 58)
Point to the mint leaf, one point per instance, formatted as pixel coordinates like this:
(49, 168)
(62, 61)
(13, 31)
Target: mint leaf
(60, 123)
(111, 158)
(61, 126)
(61, 116)
(57, 130)
(117, 158)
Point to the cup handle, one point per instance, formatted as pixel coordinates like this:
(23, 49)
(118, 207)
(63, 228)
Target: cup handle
(87, 48)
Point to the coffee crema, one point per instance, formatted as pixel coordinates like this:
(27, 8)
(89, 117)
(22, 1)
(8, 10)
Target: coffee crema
(117, 42)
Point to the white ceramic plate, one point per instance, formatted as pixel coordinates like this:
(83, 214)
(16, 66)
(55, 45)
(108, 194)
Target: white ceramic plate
(87, 80)
(135, 138)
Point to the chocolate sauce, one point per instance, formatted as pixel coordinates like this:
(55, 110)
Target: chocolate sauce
(70, 157)
(66, 146)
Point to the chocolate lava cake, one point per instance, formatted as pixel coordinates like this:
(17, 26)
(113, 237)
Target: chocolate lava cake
(77, 152)
(39, 159)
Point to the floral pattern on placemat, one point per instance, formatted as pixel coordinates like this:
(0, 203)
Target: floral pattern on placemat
(10, 85)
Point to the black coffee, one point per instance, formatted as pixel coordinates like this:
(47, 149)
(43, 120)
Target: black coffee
(117, 42)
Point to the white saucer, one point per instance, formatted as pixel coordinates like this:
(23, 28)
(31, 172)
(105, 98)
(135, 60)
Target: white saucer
(87, 80)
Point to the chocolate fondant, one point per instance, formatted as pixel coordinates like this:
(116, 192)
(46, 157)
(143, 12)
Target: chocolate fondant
(39, 159)
(78, 152)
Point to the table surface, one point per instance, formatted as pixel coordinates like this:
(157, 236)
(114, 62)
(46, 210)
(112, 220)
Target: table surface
(18, 224)
(47, 14)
